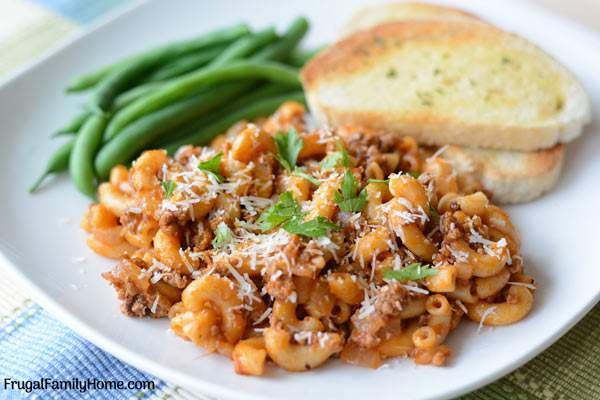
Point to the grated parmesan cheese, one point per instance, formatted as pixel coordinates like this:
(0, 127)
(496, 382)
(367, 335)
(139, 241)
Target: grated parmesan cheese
(186, 261)
(459, 256)
(486, 313)
(292, 298)
(367, 306)
(154, 304)
(438, 153)
(276, 275)
(461, 305)
(527, 285)
(415, 289)
(263, 316)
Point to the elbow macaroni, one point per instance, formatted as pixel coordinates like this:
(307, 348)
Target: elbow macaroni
(191, 247)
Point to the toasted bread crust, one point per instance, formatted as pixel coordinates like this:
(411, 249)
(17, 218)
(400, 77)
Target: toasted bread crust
(378, 14)
(511, 176)
(359, 51)
(364, 50)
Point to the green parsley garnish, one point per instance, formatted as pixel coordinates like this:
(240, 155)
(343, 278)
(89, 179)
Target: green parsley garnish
(414, 174)
(412, 272)
(168, 187)
(340, 158)
(386, 181)
(284, 210)
(435, 215)
(304, 175)
(287, 213)
(314, 228)
(223, 236)
(348, 199)
(288, 148)
(213, 167)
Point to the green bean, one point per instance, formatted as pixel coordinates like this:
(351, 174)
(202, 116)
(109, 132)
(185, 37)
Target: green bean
(58, 134)
(81, 162)
(131, 95)
(256, 94)
(118, 80)
(74, 124)
(238, 49)
(181, 87)
(280, 50)
(58, 162)
(232, 115)
(123, 78)
(91, 79)
(300, 57)
(245, 46)
(136, 136)
(185, 64)
(219, 36)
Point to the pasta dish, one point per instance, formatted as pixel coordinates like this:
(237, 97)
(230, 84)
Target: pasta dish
(284, 243)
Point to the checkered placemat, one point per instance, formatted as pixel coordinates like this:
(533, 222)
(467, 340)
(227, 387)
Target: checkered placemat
(34, 345)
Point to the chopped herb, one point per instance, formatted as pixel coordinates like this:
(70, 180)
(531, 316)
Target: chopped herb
(505, 60)
(414, 174)
(437, 71)
(412, 272)
(340, 158)
(287, 213)
(285, 209)
(314, 228)
(331, 161)
(213, 167)
(288, 148)
(386, 181)
(304, 175)
(349, 199)
(425, 98)
(391, 73)
(223, 236)
(168, 187)
(435, 215)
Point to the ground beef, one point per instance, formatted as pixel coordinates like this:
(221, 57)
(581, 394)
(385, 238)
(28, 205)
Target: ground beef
(138, 297)
(387, 303)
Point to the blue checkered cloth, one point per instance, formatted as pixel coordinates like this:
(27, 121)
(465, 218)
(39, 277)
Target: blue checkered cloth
(33, 345)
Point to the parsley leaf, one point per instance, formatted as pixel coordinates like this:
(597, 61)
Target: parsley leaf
(412, 272)
(213, 167)
(288, 148)
(223, 236)
(285, 209)
(287, 212)
(435, 215)
(348, 200)
(304, 175)
(314, 228)
(386, 181)
(339, 158)
(414, 174)
(168, 187)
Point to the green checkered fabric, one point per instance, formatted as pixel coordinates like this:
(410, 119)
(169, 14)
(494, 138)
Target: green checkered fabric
(570, 369)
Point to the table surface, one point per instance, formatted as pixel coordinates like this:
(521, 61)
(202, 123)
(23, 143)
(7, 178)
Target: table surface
(584, 12)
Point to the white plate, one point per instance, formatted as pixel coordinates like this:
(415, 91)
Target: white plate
(559, 231)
